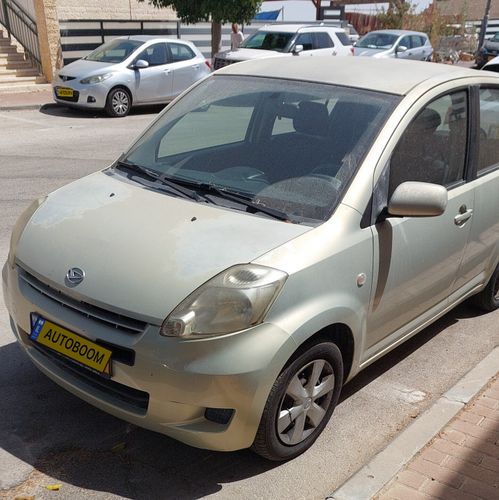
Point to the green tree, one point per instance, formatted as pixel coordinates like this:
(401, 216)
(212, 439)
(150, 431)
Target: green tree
(396, 15)
(218, 11)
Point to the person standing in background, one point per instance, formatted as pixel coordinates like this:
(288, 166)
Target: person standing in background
(236, 37)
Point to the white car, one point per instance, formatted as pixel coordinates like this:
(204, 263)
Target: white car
(289, 39)
(492, 65)
(129, 71)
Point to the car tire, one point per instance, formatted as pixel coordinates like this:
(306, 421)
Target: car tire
(488, 298)
(118, 102)
(296, 412)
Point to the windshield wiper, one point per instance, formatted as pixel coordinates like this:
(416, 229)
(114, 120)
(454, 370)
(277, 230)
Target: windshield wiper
(238, 198)
(156, 176)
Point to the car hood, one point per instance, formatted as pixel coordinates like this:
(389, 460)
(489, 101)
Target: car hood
(142, 251)
(248, 54)
(83, 68)
(366, 52)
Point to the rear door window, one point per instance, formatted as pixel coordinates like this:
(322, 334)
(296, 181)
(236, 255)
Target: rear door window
(180, 52)
(488, 157)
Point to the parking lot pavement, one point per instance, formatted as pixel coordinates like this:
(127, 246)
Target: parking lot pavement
(49, 437)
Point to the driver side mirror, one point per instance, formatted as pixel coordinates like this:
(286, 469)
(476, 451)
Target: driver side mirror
(140, 64)
(401, 48)
(418, 199)
(297, 49)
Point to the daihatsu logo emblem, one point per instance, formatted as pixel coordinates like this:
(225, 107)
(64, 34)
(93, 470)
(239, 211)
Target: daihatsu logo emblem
(75, 276)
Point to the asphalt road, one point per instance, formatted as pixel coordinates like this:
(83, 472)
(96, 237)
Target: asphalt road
(48, 436)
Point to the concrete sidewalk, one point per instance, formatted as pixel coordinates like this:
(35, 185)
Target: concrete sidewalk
(25, 99)
(449, 452)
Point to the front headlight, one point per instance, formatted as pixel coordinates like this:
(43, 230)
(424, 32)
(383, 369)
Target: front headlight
(96, 78)
(19, 228)
(231, 301)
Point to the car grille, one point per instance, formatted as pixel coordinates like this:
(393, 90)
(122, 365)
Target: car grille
(135, 400)
(66, 78)
(94, 313)
(74, 98)
(220, 63)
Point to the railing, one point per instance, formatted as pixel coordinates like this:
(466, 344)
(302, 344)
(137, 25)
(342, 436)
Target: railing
(22, 27)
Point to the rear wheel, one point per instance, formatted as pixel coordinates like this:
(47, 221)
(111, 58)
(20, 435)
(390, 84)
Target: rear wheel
(488, 298)
(300, 403)
(119, 102)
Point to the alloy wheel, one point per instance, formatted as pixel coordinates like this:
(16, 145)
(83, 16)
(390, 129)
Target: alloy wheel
(305, 402)
(120, 102)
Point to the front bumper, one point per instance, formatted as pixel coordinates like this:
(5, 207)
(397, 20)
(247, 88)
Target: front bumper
(91, 96)
(175, 381)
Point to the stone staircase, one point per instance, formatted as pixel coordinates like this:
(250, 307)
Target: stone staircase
(16, 71)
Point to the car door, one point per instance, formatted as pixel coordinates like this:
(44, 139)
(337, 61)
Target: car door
(418, 258)
(407, 43)
(186, 67)
(154, 83)
(482, 253)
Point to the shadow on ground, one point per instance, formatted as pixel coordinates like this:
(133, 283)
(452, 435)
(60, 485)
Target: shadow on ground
(53, 109)
(69, 440)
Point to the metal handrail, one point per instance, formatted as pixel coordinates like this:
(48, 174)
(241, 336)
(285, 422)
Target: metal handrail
(22, 27)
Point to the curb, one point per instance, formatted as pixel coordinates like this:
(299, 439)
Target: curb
(17, 107)
(373, 476)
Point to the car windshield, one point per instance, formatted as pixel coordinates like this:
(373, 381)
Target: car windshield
(377, 41)
(267, 40)
(115, 51)
(287, 147)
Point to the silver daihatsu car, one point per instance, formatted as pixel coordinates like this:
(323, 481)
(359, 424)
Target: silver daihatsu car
(278, 228)
(128, 71)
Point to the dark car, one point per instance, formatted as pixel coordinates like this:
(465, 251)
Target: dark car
(489, 50)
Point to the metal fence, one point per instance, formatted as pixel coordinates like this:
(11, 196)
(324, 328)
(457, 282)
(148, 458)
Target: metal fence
(78, 38)
(22, 27)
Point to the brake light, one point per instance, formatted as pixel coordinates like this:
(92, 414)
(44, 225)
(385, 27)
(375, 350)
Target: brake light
(208, 63)
(351, 51)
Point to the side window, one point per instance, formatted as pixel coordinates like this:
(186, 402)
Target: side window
(155, 54)
(488, 156)
(415, 41)
(305, 39)
(180, 52)
(433, 146)
(405, 42)
(323, 41)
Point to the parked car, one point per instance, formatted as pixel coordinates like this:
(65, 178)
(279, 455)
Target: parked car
(401, 44)
(492, 65)
(130, 71)
(277, 229)
(289, 39)
(488, 51)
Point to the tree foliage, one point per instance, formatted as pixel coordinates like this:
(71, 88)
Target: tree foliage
(396, 15)
(220, 11)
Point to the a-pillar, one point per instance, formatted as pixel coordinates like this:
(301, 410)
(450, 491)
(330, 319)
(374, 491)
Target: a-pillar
(47, 24)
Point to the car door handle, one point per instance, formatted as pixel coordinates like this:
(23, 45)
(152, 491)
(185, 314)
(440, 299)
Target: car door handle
(463, 216)
(334, 52)
(166, 71)
(196, 66)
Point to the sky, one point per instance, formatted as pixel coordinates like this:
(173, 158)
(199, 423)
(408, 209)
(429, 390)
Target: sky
(303, 10)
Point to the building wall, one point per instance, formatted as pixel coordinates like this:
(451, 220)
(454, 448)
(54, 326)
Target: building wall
(111, 9)
(474, 9)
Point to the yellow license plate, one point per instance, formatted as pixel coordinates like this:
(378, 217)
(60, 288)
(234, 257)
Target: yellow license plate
(61, 92)
(70, 344)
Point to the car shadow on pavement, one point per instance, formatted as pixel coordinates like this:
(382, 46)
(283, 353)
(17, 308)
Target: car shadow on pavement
(53, 109)
(72, 442)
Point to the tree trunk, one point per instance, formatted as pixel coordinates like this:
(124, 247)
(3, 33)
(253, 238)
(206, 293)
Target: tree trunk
(216, 37)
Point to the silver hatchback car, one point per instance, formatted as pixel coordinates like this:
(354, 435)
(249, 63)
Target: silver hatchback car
(128, 71)
(402, 44)
(278, 228)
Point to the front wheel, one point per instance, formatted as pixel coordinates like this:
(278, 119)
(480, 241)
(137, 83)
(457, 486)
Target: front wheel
(300, 403)
(118, 103)
(488, 298)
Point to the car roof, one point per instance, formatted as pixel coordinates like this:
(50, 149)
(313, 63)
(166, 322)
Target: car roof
(149, 38)
(382, 75)
(398, 32)
(293, 28)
